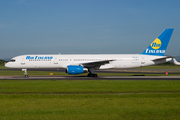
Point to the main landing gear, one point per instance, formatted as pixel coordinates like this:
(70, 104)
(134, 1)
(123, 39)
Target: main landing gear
(91, 73)
(25, 72)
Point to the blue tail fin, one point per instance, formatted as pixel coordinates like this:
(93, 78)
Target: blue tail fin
(159, 45)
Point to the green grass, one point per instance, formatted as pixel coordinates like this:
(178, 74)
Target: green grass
(89, 100)
(3, 67)
(90, 107)
(86, 86)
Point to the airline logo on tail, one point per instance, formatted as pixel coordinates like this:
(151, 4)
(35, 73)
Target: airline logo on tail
(156, 44)
(159, 45)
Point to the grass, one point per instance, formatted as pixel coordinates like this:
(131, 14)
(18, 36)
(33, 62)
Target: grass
(90, 99)
(90, 107)
(3, 67)
(86, 86)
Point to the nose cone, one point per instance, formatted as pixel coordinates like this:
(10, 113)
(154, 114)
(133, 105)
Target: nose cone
(7, 65)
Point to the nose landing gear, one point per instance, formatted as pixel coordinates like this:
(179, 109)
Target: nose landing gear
(25, 72)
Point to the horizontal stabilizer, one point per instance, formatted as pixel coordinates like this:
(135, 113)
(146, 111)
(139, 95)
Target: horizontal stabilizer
(162, 58)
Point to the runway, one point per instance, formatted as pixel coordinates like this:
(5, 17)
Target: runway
(90, 78)
(83, 77)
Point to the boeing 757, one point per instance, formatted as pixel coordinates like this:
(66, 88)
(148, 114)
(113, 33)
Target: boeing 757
(81, 63)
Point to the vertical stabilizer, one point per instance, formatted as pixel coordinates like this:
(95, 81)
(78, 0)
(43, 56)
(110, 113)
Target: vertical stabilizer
(159, 45)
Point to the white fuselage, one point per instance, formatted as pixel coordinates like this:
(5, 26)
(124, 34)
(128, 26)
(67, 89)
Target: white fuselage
(62, 61)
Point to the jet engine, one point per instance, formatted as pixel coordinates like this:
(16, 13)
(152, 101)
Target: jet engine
(75, 69)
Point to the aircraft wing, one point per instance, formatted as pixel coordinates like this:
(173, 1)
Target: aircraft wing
(96, 64)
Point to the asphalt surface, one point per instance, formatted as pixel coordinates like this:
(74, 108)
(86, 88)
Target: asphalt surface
(90, 78)
(74, 77)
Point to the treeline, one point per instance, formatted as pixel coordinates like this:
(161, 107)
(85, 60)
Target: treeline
(1, 62)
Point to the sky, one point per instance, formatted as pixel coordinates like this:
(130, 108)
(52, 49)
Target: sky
(86, 26)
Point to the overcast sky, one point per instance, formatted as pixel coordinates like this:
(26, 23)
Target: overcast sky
(86, 26)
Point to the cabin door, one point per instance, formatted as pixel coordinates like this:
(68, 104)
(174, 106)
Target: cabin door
(56, 61)
(142, 60)
(22, 61)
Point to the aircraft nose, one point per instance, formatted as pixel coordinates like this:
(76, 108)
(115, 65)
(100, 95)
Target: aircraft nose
(7, 65)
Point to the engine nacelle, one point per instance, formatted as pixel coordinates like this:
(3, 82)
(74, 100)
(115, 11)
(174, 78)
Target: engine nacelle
(75, 69)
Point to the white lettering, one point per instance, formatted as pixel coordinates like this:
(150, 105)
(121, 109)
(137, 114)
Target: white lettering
(155, 51)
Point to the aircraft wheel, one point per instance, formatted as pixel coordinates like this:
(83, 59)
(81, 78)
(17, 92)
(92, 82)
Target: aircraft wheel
(95, 75)
(92, 75)
(26, 76)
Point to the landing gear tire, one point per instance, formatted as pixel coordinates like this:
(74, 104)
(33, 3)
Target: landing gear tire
(25, 73)
(92, 75)
(95, 75)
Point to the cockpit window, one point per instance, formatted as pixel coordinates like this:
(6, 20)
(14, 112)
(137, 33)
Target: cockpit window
(12, 60)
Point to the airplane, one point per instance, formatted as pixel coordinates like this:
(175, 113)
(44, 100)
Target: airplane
(82, 63)
(175, 61)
